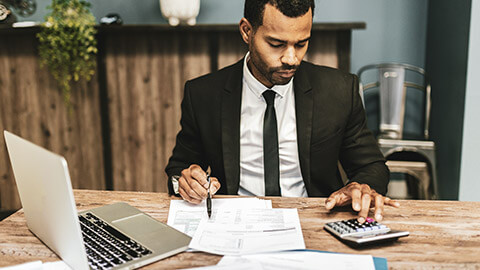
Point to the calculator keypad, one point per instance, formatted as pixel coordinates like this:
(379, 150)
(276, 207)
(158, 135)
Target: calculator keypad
(352, 227)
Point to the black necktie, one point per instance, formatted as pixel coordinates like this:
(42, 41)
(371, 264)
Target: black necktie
(270, 147)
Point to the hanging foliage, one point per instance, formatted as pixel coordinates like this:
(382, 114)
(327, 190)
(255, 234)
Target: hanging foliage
(67, 44)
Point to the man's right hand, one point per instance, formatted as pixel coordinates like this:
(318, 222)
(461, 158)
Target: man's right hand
(193, 184)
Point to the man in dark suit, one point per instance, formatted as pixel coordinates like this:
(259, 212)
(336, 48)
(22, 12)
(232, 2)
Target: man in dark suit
(274, 125)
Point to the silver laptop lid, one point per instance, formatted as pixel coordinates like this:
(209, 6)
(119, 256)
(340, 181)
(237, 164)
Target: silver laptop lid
(46, 195)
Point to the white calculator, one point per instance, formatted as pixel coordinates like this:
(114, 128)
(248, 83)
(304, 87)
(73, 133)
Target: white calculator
(354, 233)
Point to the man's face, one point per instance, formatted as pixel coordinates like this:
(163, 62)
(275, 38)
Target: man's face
(278, 46)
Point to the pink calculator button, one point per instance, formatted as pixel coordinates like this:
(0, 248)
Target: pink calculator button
(370, 220)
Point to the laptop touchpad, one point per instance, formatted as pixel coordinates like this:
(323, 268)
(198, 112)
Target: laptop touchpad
(140, 227)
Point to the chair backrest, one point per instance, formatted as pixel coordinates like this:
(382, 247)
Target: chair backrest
(392, 81)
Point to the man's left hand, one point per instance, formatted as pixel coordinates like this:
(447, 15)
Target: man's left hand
(362, 197)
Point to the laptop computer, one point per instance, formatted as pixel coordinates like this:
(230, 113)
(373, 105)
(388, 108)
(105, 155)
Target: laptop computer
(116, 236)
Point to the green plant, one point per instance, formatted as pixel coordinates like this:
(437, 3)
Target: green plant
(67, 44)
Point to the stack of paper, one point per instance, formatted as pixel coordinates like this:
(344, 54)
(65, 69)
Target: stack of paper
(307, 259)
(303, 260)
(237, 226)
(247, 231)
(255, 236)
(185, 216)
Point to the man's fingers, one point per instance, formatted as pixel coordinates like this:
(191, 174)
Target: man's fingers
(214, 185)
(391, 202)
(366, 201)
(198, 189)
(194, 184)
(193, 176)
(198, 174)
(186, 197)
(356, 199)
(187, 184)
(360, 196)
(331, 201)
(379, 202)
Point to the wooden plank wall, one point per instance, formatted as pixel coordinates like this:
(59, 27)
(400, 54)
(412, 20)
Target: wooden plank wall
(31, 105)
(145, 77)
(123, 128)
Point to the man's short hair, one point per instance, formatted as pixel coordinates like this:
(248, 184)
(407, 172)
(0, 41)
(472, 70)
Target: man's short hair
(254, 9)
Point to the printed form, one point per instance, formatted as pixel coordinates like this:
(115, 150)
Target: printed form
(246, 231)
(185, 216)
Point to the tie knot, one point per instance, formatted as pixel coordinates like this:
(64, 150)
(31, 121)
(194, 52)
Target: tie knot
(269, 96)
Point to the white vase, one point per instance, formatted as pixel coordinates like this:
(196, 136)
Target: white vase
(177, 11)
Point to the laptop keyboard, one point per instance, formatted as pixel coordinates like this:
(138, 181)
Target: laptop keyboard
(107, 247)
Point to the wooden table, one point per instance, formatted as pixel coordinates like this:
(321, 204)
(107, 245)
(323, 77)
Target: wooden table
(443, 234)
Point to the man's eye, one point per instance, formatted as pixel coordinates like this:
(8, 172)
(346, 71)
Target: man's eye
(300, 45)
(276, 45)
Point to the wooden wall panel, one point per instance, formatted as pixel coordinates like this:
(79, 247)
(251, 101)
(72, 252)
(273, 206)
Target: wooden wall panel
(31, 105)
(231, 48)
(323, 49)
(144, 122)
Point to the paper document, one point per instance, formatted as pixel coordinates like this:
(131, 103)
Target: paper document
(246, 231)
(38, 265)
(35, 265)
(185, 216)
(237, 266)
(303, 260)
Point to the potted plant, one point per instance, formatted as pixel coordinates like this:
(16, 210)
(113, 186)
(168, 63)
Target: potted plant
(67, 44)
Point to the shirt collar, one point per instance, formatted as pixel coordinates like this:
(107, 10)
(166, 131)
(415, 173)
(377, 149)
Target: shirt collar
(257, 87)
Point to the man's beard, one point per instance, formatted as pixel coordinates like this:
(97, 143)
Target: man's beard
(272, 74)
(279, 80)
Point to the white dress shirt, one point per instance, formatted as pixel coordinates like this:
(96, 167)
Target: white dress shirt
(251, 138)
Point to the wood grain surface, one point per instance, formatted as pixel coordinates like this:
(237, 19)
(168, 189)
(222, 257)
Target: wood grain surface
(443, 234)
(145, 78)
(32, 106)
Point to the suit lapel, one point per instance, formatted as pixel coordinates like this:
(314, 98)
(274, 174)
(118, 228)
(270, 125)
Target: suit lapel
(304, 112)
(231, 107)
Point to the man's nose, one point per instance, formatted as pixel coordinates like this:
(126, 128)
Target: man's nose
(289, 57)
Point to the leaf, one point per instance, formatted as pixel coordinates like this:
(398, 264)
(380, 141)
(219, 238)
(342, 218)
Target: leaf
(67, 43)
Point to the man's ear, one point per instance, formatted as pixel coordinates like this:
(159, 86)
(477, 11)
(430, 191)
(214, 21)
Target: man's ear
(246, 30)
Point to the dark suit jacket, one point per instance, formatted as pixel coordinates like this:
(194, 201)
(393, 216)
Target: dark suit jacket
(331, 127)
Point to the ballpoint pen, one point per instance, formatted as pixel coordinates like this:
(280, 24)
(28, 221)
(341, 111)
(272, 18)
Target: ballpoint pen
(209, 197)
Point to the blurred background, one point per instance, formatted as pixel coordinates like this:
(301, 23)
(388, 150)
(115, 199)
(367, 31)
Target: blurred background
(122, 126)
